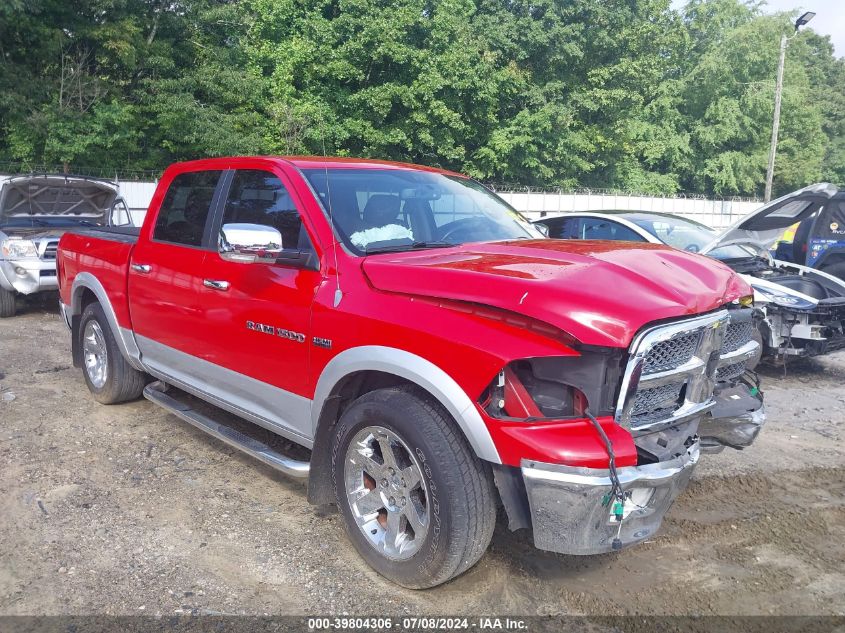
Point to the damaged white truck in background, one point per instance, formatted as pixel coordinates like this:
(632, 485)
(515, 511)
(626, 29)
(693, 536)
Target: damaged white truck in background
(35, 210)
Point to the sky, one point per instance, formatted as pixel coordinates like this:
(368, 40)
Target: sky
(829, 20)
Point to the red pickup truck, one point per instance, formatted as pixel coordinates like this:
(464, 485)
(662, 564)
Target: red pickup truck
(425, 352)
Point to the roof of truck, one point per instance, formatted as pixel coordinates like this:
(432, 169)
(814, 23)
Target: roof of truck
(327, 162)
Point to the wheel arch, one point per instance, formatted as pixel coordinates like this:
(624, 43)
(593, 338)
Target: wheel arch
(359, 370)
(85, 290)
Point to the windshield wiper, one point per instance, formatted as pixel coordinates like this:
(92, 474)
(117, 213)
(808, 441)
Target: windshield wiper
(398, 248)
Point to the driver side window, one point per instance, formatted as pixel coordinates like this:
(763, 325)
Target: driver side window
(259, 197)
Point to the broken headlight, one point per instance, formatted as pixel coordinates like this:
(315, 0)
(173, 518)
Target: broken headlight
(556, 388)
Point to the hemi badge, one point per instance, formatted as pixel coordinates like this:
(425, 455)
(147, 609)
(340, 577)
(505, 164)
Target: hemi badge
(323, 342)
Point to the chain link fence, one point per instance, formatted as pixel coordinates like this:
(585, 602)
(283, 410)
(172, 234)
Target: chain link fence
(128, 175)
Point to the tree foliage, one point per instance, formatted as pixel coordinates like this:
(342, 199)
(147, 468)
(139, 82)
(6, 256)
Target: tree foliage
(626, 94)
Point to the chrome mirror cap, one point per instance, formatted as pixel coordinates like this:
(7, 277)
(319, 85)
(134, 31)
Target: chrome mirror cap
(249, 243)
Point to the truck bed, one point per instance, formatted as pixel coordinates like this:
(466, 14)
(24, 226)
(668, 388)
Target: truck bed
(103, 252)
(127, 234)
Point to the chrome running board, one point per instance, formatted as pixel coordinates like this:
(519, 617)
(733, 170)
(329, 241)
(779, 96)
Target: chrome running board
(155, 392)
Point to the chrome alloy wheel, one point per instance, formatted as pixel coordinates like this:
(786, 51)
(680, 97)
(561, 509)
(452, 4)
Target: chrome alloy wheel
(95, 353)
(386, 492)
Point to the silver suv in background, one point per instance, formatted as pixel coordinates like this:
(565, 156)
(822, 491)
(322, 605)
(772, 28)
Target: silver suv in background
(34, 212)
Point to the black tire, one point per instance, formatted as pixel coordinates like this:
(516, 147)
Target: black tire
(837, 270)
(122, 381)
(8, 305)
(463, 500)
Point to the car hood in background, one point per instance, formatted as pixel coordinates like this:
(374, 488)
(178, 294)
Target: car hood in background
(53, 196)
(601, 293)
(763, 227)
(34, 234)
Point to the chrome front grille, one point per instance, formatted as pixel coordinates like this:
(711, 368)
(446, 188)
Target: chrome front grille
(673, 368)
(737, 335)
(730, 372)
(671, 353)
(663, 398)
(739, 346)
(48, 249)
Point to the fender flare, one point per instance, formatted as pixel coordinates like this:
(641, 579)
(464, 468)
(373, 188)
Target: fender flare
(417, 370)
(124, 338)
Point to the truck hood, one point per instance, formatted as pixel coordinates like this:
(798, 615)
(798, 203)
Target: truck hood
(601, 293)
(760, 229)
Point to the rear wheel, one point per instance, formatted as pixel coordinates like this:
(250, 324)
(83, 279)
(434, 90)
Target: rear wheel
(109, 377)
(418, 504)
(7, 303)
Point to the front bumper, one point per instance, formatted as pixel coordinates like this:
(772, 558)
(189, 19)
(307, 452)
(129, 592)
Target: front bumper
(734, 421)
(568, 513)
(28, 276)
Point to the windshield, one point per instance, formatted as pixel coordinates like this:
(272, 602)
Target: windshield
(390, 209)
(688, 236)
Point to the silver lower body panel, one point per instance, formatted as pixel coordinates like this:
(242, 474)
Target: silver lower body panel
(569, 513)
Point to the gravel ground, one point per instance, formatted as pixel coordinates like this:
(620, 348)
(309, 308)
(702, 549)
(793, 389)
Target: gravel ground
(126, 510)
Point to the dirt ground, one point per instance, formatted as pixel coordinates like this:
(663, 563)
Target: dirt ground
(127, 510)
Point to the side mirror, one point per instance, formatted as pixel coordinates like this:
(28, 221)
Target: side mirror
(544, 229)
(249, 243)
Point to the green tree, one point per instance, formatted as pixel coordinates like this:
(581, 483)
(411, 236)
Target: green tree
(626, 94)
(727, 99)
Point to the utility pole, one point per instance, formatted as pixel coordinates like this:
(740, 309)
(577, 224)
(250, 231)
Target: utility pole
(784, 41)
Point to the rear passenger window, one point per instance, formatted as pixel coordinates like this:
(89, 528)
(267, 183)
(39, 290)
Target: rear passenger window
(184, 211)
(259, 197)
(596, 229)
(563, 228)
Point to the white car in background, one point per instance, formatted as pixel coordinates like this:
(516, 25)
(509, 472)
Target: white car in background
(803, 308)
(35, 210)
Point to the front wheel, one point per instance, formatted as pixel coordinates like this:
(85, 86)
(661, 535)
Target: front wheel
(109, 377)
(418, 504)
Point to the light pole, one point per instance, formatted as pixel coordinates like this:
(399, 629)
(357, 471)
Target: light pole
(784, 40)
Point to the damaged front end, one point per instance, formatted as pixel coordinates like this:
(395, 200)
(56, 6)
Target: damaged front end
(682, 388)
(738, 413)
(685, 389)
(736, 418)
(569, 512)
(805, 331)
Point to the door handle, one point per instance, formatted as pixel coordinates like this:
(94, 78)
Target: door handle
(215, 284)
(142, 268)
